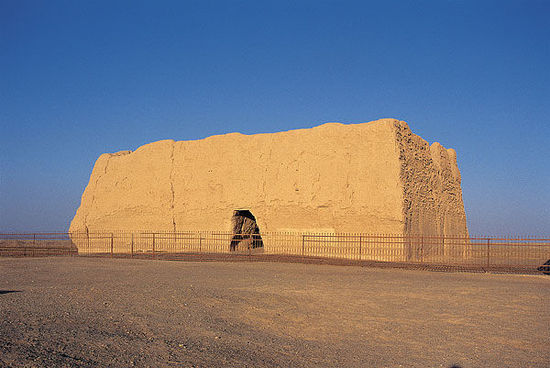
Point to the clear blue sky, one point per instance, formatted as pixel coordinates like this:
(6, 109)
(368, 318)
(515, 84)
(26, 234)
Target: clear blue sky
(80, 78)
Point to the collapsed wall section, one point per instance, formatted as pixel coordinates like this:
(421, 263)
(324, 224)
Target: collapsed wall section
(432, 196)
(433, 210)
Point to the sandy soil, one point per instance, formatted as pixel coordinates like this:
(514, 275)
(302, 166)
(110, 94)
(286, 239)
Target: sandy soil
(78, 311)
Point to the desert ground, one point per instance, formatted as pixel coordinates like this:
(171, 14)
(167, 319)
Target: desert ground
(77, 311)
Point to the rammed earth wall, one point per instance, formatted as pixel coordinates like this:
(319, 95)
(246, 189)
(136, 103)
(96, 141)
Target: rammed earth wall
(375, 177)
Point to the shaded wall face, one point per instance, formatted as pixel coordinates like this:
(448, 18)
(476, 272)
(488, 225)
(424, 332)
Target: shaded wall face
(432, 194)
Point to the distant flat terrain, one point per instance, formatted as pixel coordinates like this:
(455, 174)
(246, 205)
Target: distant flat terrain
(75, 311)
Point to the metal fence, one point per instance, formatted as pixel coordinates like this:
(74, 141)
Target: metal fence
(36, 244)
(486, 252)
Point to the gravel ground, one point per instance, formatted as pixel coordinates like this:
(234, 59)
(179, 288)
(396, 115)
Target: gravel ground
(74, 311)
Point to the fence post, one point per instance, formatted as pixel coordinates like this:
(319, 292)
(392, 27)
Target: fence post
(303, 244)
(200, 243)
(422, 248)
(69, 249)
(175, 245)
(132, 246)
(360, 241)
(153, 245)
(112, 244)
(33, 244)
(488, 252)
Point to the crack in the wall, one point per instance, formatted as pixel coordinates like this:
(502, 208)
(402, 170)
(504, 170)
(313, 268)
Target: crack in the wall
(172, 205)
(407, 223)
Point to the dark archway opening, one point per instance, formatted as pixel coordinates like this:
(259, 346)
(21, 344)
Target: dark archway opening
(246, 233)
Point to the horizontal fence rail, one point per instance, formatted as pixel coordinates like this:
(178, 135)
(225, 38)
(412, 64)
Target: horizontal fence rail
(484, 252)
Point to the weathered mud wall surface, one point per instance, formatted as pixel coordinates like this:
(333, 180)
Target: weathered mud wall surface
(432, 195)
(374, 177)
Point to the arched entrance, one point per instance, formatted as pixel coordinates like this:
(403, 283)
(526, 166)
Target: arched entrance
(246, 233)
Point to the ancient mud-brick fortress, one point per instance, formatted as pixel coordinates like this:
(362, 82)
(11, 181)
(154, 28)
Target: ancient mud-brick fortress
(375, 177)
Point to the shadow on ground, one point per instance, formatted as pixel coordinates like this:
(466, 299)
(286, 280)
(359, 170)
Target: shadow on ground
(10, 291)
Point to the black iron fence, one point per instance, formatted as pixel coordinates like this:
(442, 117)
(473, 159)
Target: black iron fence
(484, 252)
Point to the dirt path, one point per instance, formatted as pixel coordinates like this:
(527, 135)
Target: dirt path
(122, 312)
